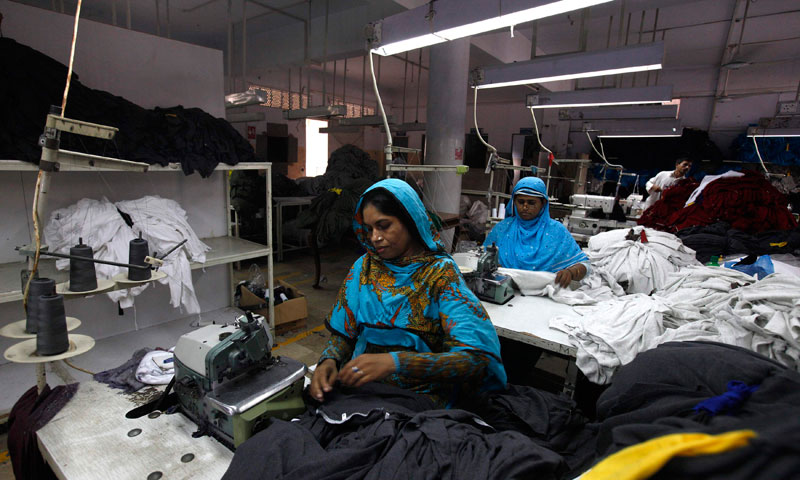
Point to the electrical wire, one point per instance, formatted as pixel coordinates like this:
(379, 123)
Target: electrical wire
(475, 118)
(71, 58)
(77, 367)
(380, 102)
(602, 154)
(759, 156)
(536, 129)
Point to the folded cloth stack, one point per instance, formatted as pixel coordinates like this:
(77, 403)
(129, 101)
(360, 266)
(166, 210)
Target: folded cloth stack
(639, 258)
(162, 222)
(697, 303)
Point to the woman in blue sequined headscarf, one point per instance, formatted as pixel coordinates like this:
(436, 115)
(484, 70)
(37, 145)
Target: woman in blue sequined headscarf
(528, 239)
(404, 315)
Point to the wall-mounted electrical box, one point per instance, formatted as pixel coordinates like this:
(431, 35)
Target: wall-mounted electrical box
(788, 108)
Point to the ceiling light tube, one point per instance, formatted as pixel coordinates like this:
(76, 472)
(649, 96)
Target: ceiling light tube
(635, 128)
(619, 113)
(773, 132)
(600, 97)
(614, 61)
(446, 20)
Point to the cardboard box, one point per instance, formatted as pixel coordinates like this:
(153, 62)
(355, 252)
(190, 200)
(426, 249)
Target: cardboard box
(295, 308)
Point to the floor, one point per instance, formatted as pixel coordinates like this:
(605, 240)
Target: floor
(304, 345)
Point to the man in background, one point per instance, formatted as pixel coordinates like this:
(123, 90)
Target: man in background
(664, 180)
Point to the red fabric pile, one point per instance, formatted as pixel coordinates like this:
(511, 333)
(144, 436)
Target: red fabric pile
(747, 203)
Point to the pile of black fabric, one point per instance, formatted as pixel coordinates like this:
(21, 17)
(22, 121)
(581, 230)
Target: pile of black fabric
(656, 395)
(346, 164)
(350, 171)
(31, 82)
(720, 239)
(379, 431)
(383, 432)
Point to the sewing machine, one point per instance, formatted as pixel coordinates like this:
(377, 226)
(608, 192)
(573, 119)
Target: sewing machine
(228, 382)
(485, 282)
(580, 224)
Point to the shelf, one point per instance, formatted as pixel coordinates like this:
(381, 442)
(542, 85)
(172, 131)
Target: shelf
(20, 166)
(223, 250)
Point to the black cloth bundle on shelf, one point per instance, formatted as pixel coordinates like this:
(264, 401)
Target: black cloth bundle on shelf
(31, 82)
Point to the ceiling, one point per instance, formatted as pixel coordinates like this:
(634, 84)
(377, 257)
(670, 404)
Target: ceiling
(697, 34)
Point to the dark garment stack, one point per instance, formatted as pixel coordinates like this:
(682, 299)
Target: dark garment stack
(31, 412)
(124, 376)
(31, 82)
(655, 395)
(748, 203)
(720, 239)
(381, 432)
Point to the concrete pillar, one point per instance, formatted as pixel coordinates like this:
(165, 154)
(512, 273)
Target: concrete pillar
(445, 117)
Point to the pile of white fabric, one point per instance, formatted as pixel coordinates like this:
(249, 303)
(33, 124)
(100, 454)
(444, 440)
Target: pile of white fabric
(162, 222)
(597, 286)
(639, 258)
(697, 303)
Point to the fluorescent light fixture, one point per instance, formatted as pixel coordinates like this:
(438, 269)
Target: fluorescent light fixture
(599, 97)
(773, 132)
(245, 117)
(243, 99)
(619, 113)
(635, 128)
(341, 129)
(368, 120)
(614, 61)
(446, 20)
(315, 112)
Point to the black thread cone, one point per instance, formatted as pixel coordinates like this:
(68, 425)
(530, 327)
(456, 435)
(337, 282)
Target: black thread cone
(52, 337)
(137, 251)
(82, 277)
(39, 287)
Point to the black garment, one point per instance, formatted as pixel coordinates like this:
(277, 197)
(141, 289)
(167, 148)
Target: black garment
(386, 440)
(655, 394)
(30, 413)
(720, 239)
(30, 82)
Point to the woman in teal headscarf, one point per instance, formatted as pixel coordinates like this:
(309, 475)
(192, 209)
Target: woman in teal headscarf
(404, 315)
(528, 239)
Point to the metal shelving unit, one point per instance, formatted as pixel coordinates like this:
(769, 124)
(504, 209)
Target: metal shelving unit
(224, 250)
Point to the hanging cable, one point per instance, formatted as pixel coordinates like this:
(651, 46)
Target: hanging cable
(602, 154)
(759, 156)
(380, 108)
(71, 58)
(536, 129)
(475, 118)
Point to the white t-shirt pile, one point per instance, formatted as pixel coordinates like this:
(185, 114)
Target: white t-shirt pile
(162, 222)
(698, 303)
(641, 265)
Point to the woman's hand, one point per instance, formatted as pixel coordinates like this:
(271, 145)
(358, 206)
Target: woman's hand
(368, 367)
(323, 379)
(575, 272)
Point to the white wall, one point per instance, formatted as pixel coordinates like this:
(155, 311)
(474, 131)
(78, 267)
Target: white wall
(151, 71)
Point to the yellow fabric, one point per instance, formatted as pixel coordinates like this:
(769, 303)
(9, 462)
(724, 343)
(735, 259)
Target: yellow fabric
(780, 244)
(337, 191)
(643, 460)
